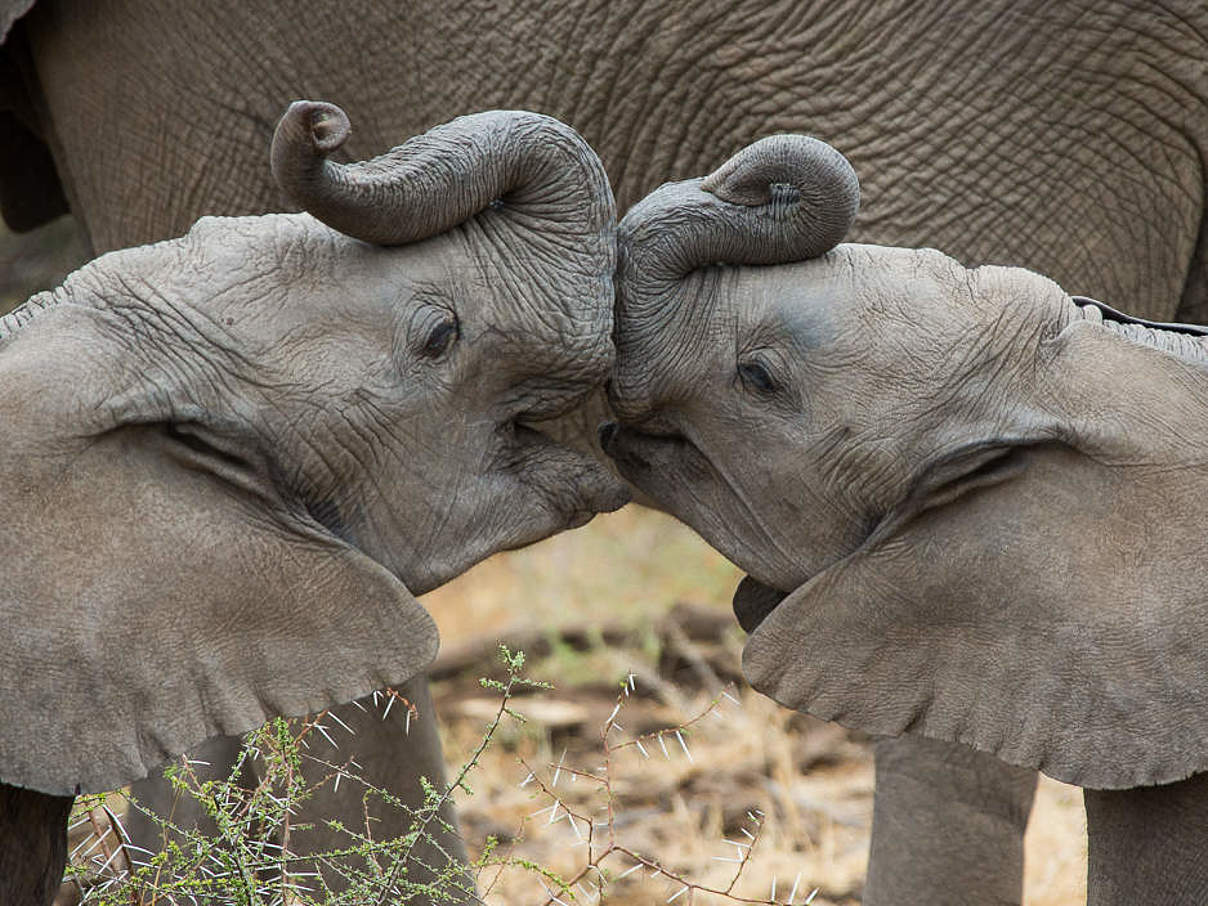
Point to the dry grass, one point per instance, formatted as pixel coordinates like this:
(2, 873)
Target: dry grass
(813, 781)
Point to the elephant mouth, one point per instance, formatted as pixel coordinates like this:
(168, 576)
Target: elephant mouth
(645, 458)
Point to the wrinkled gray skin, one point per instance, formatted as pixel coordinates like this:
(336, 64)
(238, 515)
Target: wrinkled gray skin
(229, 461)
(984, 497)
(1067, 137)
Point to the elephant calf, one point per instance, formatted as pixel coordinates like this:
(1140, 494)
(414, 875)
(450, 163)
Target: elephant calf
(985, 497)
(230, 461)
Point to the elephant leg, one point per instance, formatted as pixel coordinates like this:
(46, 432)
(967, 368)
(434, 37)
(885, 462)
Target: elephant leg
(391, 757)
(948, 825)
(33, 844)
(1149, 844)
(155, 794)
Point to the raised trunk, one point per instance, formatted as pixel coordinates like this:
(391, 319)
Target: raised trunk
(434, 181)
(784, 198)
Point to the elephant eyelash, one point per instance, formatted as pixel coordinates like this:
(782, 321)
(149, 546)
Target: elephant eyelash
(433, 331)
(757, 377)
(440, 338)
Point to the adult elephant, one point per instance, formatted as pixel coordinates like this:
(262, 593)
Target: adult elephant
(1067, 137)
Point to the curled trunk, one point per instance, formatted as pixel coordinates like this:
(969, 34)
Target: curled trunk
(785, 198)
(510, 158)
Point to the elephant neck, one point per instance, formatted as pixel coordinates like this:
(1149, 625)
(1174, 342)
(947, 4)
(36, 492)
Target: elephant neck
(1187, 342)
(24, 313)
(1127, 394)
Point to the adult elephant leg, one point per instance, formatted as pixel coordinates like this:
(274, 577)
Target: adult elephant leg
(394, 754)
(1149, 844)
(33, 844)
(948, 825)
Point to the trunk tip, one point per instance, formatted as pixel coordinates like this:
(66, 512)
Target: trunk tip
(325, 127)
(819, 173)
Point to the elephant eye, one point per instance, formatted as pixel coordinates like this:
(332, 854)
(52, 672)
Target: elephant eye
(440, 337)
(756, 376)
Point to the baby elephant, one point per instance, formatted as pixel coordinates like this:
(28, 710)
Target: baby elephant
(985, 497)
(230, 461)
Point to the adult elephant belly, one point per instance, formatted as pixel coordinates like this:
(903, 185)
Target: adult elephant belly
(1067, 138)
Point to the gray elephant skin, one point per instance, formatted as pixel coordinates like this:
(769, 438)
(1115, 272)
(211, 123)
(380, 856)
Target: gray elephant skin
(1066, 137)
(230, 461)
(983, 496)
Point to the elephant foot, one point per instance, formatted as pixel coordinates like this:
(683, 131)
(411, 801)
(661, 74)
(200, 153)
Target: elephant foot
(33, 845)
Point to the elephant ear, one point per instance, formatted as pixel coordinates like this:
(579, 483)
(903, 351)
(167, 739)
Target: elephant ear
(148, 601)
(1043, 605)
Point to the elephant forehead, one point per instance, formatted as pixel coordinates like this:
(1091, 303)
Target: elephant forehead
(546, 318)
(666, 343)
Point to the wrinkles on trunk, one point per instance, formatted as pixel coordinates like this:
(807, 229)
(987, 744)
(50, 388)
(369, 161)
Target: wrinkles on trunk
(429, 184)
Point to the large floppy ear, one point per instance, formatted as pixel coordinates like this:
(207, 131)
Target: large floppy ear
(1046, 604)
(149, 601)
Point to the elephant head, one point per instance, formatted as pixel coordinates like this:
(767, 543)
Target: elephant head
(982, 497)
(229, 461)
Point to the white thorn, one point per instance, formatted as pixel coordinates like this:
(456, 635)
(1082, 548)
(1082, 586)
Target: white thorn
(684, 746)
(336, 718)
